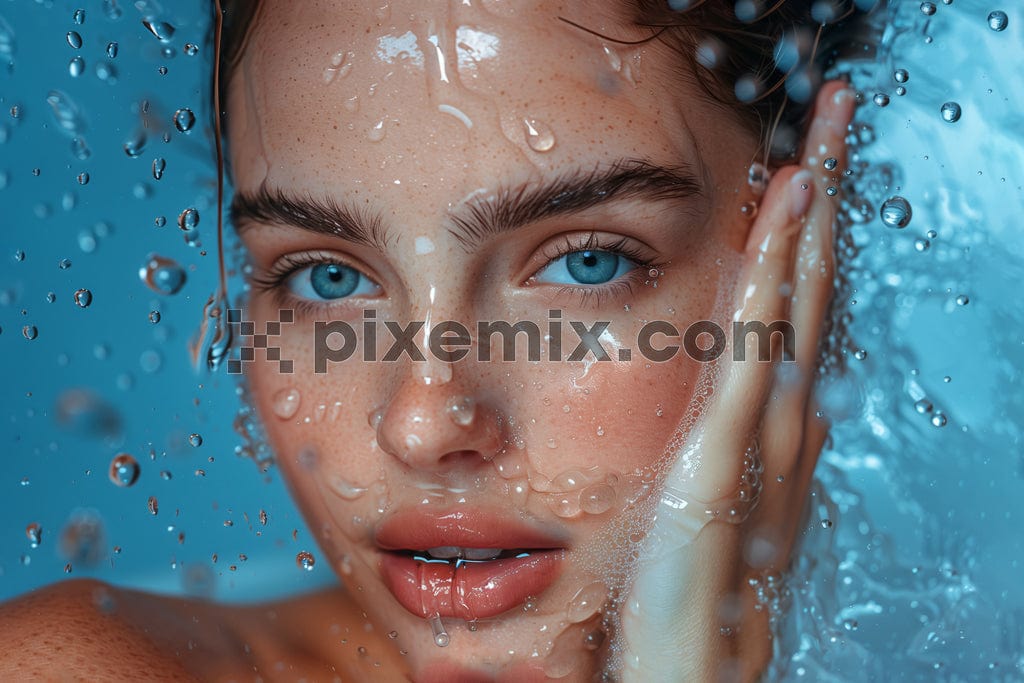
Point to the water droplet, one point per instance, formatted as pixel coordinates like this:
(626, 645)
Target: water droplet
(352, 104)
(161, 29)
(83, 297)
(901, 75)
(901, 91)
(154, 317)
(195, 440)
(441, 637)
(159, 164)
(29, 332)
(881, 99)
(263, 517)
(160, 221)
(305, 560)
(112, 50)
(188, 219)
(35, 534)
(285, 403)
(184, 119)
(896, 212)
(921, 244)
(162, 71)
(539, 136)
(76, 66)
(748, 209)
(124, 470)
(378, 132)
(19, 255)
(78, 17)
(153, 505)
(831, 191)
(927, 8)
(950, 112)
(860, 354)
(83, 178)
(939, 420)
(64, 263)
(962, 300)
(74, 39)
(586, 602)
(135, 145)
(830, 164)
(191, 49)
(341, 65)
(826, 524)
(461, 410)
(597, 499)
(998, 20)
(758, 177)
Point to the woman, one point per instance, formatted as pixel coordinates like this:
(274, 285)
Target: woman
(591, 500)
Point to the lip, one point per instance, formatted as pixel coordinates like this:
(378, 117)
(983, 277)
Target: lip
(472, 590)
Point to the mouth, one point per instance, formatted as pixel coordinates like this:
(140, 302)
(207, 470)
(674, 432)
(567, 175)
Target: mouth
(466, 564)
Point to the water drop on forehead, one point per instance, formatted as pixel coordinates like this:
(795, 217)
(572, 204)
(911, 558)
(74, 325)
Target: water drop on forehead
(896, 212)
(539, 135)
(124, 470)
(950, 112)
(997, 20)
(377, 132)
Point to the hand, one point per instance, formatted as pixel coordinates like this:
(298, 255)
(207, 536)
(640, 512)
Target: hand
(690, 613)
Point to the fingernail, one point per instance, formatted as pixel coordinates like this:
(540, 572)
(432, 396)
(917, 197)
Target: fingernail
(800, 193)
(844, 101)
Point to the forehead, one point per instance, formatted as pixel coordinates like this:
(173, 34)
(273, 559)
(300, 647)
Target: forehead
(457, 94)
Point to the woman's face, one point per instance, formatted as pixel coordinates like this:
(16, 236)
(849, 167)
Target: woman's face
(478, 161)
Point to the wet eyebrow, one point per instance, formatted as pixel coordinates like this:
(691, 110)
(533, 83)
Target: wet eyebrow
(325, 216)
(573, 192)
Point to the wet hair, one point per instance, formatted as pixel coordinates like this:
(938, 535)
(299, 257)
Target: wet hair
(763, 60)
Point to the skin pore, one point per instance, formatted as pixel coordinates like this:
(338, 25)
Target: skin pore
(432, 124)
(485, 161)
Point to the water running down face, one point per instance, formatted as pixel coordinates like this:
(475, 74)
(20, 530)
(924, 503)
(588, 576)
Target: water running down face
(474, 161)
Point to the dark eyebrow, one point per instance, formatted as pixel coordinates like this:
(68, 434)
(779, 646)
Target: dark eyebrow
(324, 216)
(572, 192)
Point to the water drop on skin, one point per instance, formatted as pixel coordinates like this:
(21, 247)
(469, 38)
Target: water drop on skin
(597, 499)
(305, 560)
(950, 112)
(830, 164)
(441, 637)
(352, 104)
(896, 212)
(378, 132)
(285, 403)
(124, 470)
(997, 20)
(539, 136)
(586, 602)
(758, 177)
(461, 410)
(748, 209)
(83, 297)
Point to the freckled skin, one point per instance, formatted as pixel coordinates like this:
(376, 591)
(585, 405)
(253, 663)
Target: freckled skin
(289, 130)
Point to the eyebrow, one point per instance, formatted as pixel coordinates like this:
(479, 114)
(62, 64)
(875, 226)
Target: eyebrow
(479, 218)
(572, 192)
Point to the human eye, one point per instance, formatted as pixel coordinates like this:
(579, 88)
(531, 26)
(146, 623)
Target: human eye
(585, 267)
(316, 279)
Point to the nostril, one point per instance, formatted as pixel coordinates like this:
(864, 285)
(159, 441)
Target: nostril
(454, 458)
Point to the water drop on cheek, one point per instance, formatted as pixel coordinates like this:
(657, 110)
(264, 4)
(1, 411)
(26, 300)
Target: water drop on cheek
(285, 403)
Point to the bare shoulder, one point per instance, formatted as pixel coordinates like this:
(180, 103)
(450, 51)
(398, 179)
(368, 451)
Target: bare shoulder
(72, 630)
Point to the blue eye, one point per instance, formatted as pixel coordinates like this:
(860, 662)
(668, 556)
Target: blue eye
(330, 281)
(586, 267)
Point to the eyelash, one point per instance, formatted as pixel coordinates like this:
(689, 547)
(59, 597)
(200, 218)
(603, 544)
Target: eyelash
(274, 279)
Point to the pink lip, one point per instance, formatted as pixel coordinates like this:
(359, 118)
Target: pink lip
(474, 590)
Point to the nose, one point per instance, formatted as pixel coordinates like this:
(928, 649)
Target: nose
(437, 427)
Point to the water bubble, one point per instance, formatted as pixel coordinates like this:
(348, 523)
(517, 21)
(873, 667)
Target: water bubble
(928, 8)
(305, 560)
(159, 164)
(860, 354)
(950, 112)
(135, 145)
(191, 49)
(188, 219)
(939, 420)
(34, 532)
(83, 297)
(539, 136)
(921, 244)
(154, 317)
(901, 75)
(74, 39)
(124, 470)
(29, 332)
(962, 300)
(881, 99)
(901, 91)
(112, 50)
(830, 164)
(998, 20)
(76, 66)
(285, 403)
(195, 440)
(153, 505)
(896, 212)
(161, 29)
(83, 178)
(184, 119)
(923, 406)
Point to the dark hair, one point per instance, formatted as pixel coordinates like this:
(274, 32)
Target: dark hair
(762, 63)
